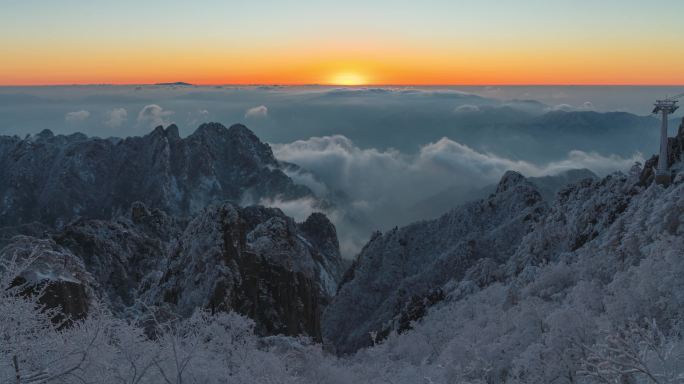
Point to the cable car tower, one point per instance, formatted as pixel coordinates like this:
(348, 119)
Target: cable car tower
(664, 107)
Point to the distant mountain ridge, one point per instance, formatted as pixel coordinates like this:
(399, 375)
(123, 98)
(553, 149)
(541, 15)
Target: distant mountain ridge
(52, 179)
(451, 198)
(177, 83)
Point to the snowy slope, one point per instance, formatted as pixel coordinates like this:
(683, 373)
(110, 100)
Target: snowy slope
(417, 259)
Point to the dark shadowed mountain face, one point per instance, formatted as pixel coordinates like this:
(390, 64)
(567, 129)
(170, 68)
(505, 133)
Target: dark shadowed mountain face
(255, 261)
(52, 179)
(148, 223)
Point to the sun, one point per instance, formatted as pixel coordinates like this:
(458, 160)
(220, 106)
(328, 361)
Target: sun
(348, 78)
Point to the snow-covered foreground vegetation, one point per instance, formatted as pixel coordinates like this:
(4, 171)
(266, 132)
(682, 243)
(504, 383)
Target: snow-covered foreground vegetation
(608, 312)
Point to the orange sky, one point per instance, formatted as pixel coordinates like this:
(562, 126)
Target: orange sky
(123, 44)
(203, 65)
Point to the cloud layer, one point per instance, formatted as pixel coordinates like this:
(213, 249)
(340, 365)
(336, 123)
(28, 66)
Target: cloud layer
(381, 187)
(257, 112)
(153, 115)
(377, 152)
(371, 174)
(502, 120)
(76, 116)
(116, 117)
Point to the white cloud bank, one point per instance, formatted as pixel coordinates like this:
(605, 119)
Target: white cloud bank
(383, 186)
(153, 115)
(455, 158)
(466, 108)
(259, 112)
(116, 117)
(370, 174)
(586, 106)
(76, 116)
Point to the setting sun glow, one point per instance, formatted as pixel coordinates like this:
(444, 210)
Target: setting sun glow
(348, 78)
(295, 43)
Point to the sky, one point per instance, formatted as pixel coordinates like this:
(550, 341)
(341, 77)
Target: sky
(341, 42)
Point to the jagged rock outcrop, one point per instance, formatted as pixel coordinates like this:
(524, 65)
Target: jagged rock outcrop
(53, 272)
(252, 260)
(121, 254)
(52, 179)
(409, 264)
(151, 222)
(255, 261)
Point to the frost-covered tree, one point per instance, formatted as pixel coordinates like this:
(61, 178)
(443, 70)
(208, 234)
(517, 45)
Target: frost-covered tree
(636, 353)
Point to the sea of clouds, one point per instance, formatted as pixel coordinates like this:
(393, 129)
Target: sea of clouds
(375, 153)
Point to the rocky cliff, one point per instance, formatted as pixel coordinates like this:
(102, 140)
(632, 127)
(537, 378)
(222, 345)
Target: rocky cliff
(54, 273)
(252, 260)
(152, 223)
(52, 179)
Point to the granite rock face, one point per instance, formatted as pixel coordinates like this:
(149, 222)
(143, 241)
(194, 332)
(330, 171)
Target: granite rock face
(153, 222)
(252, 260)
(121, 253)
(52, 179)
(53, 272)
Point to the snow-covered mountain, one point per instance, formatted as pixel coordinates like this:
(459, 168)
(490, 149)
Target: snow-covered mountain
(151, 222)
(512, 288)
(400, 274)
(408, 264)
(51, 179)
(254, 260)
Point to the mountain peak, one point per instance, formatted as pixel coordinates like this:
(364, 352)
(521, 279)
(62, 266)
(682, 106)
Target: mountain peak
(158, 130)
(179, 175)
(210, 128)
(235, 130)
(240, 129)
(45, 134)
(509, 180)
(171, 132)
(319, 229)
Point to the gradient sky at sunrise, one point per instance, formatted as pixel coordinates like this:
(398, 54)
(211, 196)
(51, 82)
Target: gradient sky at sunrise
(342, 42)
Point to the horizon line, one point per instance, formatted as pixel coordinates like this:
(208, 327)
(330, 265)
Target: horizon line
(188, 84)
